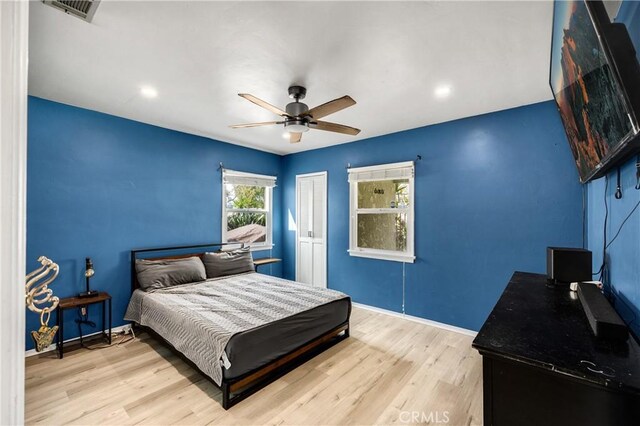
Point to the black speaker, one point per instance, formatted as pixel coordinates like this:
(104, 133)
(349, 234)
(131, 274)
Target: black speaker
(603, 319)
(568, 265)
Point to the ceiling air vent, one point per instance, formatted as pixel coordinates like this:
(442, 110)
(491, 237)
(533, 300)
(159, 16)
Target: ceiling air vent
(81, 9)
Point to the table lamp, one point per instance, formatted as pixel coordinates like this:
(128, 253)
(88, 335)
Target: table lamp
(88, 273)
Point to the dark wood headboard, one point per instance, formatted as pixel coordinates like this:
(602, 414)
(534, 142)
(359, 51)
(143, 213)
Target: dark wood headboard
(190, 252)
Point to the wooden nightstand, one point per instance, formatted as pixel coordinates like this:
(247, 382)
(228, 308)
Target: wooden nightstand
(265, 261)
(78, 302)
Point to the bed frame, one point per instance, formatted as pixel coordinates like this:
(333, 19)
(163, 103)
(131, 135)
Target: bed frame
(237, 389)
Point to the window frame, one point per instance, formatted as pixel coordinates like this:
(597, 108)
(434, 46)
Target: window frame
(268, 210)
(408, 256)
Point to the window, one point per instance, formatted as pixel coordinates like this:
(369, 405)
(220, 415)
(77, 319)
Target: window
(381, 207)
(247, 209)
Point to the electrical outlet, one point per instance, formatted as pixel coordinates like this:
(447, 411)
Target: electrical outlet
(126, 329)
(83, 310)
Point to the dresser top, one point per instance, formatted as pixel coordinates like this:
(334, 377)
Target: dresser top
(545, 326)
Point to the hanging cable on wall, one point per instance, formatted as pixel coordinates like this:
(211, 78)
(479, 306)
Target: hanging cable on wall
(622, 224)
(604, 228)
(638, 172)
(605, 245)
(618, 186)
(404, 280)
(610, 290)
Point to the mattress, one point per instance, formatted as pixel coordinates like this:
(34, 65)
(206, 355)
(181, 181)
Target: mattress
(231, 325)
(251, 349)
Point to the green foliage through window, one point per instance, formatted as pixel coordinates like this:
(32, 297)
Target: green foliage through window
(245, 197)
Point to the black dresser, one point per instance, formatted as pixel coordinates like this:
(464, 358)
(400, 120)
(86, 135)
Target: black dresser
(543, 366)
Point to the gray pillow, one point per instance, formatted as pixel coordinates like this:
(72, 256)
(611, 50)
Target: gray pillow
(154, 274)
(228, 263)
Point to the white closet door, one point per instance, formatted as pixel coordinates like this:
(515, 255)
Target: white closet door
(311, 253)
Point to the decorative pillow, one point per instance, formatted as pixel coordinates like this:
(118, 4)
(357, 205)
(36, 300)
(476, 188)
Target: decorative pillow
(154, 274)
(228, 263)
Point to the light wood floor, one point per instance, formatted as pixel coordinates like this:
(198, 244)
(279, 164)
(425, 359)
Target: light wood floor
(388, 366)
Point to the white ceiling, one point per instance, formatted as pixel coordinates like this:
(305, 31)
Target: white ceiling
(388, 56)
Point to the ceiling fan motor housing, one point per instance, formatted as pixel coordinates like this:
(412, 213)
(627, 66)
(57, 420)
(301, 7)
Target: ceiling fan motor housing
(296, 109)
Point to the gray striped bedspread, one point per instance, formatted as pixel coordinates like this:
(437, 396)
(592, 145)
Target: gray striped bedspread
(199, 319)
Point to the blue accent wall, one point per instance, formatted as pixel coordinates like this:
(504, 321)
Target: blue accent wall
(629, 14)
(100, 185)
(491, 193)
(622, 277)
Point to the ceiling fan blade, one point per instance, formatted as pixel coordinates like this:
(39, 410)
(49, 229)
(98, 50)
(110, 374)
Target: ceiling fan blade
(263, 104)
(331, 107)
(333, 127)
(295, 137)
(264, 123)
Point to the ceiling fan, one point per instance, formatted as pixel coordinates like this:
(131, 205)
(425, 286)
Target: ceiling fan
(298, 118)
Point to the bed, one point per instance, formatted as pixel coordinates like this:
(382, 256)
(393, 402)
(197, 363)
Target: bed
(241, 331)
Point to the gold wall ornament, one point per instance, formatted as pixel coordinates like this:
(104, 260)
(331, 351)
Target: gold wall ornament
(43, 338)
(38, 293)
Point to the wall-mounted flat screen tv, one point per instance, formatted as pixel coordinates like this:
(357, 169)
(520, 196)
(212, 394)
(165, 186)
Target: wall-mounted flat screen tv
(595, 79)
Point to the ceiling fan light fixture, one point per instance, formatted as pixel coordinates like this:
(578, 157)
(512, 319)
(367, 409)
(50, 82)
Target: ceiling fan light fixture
(296, 127)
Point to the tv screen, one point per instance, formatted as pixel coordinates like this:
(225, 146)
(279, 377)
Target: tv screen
(587, 86)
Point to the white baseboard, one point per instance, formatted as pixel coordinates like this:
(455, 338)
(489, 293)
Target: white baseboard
(437, 324)
(32, 352)
(466, 332)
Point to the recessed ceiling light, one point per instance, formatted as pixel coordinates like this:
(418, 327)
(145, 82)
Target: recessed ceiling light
(148, 92)
(442, 91)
